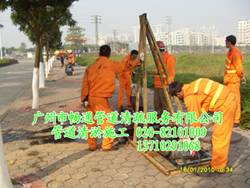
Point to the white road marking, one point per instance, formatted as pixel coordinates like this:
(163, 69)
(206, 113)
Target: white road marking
(8, 72)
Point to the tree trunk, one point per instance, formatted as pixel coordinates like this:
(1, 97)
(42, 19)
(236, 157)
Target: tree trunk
(35, 92)
(51, 52)
(41, 69)
(4, 173)
(41, 50)
(47, 51)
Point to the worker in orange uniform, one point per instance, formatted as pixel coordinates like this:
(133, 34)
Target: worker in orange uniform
(160, 102)
(125, 81)
(205, 95)
(72, 59)
(99, 85)
(234, 73)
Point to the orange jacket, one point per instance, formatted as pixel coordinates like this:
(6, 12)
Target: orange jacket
(170, 65)
(126, 75)
(206, 95)
(72, 60)
(234, 69)
(99, 78)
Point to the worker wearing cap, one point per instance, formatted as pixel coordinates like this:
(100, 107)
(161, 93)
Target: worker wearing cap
(99, 85)
(234, 73)
(205, 95)
(160, 101)
(125, 81)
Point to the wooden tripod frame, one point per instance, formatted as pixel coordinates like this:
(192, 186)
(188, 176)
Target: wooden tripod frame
(145, 31)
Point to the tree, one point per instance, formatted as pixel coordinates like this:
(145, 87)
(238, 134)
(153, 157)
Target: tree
(33, 49)
(37, 16)
(22, 47)
(76, 38)
(11, 50)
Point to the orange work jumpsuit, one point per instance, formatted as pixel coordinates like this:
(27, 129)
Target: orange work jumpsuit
(170, 64)
(160, 102)
(233, 75)
(99, 85)
(72, 60)
(125, 81)
(207, 95)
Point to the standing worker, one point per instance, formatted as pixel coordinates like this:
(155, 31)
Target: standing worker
(234, 73)
(160, 101)
(62, 59)
(125, 81)
(205, 95)
(99, 85)
(72, 58)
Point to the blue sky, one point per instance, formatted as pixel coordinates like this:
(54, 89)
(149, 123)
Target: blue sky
(123, 15)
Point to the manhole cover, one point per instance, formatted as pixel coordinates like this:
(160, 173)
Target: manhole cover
(235, 138)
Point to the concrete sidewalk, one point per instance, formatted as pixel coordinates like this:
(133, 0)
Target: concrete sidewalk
(67, 163)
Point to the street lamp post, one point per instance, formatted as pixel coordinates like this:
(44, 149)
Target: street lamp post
(1, 26)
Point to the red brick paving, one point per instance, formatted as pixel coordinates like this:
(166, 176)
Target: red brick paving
(29, 108)
(28, 181)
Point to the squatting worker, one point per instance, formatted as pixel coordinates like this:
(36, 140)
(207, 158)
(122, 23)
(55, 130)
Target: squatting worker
(125, 81)
(234, 73)
(99, 85)
(160, 101)
(206, 95)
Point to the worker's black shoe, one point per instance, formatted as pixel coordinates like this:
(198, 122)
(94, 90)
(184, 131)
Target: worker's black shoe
(111, 149)
(208, 174)
(236, 125)
(121, 109)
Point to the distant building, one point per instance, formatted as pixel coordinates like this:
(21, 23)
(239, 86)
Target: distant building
(220, 41)
(204, 37)
(243, 32)
(214, 31)
(204, 30)
(30, 54)
(136, 34)
(181, 37)
(197, 39)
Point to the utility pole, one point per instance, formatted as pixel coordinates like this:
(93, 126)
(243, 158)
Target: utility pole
(114, 43)
(97, 20)
(169, 32)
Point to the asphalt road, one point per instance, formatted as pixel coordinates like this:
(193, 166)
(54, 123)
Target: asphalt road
(13, 80)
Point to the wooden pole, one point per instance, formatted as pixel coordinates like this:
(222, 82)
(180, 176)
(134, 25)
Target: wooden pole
(138, 84)
(145, 87)
(150, 33)
(160, 73)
